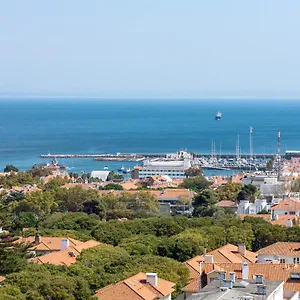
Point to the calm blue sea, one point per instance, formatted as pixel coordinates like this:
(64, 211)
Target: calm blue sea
(30, 127)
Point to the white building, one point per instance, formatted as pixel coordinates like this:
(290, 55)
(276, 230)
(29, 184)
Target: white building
(245, 207)
(283, 252)
(102, 175)
(287, 206)
(173, 169)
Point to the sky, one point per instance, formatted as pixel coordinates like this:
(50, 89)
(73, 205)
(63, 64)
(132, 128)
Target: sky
(155, 48)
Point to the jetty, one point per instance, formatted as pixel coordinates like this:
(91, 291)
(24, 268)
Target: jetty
(141, 156)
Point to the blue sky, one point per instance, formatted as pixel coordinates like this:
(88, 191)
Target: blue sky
(155, 48)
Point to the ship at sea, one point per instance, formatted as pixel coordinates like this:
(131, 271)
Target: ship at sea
(218, 116)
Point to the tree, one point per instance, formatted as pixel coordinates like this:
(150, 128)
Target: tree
(248, 192)
(112, 176)
(112, 186)
(40, 203)
(12, 256)
(197, 183)
(193, 172)
(270, 164)
(229, 191)
(10, 168)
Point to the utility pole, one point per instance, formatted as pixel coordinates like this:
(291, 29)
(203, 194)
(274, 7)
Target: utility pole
(237, 149)
(278, 155)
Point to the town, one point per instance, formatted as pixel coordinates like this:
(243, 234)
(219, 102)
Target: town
(167, 232)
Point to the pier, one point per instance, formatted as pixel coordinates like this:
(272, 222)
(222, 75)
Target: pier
(141, 156)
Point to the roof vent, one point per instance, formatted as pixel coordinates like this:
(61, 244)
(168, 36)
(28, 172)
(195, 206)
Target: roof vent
(72, 253)
(295, 276)
(261, 290)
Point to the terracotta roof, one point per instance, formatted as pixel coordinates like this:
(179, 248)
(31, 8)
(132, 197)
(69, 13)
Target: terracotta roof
(287, 204)
(281, 248)
(64, 257)
(85, 186)
(48, 243)
(227, 203)
(129, 186)
(282, 219)
(135, 288)
(2, 278)
(225, 254)
(270, 272)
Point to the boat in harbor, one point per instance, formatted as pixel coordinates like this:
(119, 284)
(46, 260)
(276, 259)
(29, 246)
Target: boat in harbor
(128, 170)
(122, 169)
(105, 168)
(218, 116)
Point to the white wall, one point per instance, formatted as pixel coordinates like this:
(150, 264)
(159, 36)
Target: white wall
(268, 258)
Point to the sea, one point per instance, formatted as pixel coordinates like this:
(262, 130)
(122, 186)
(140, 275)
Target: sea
(30, 127)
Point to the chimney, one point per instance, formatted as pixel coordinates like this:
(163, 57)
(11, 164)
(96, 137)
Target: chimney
(232, 276)
(151, 278)
(200, 270)
(37, 239)
(209, 259)
(227, 283)
(242, 249)
(245, 270)
(204, 251)
(289, 223)
(65, 243)
(259, 279)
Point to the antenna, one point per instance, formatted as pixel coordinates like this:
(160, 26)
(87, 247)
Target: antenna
(213, 149)
(278, 156)
(251, 143)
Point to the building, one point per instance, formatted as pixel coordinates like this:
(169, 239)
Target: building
(270, 188)
(288, 274)
(54, 167)
(245, 207)
(101, 175)
(226, 254)
(47, 244)
(228, 205)
(66, 256)
(138, 287)
(173, 169)
(287, 206)
(228, 289)
(283, 252)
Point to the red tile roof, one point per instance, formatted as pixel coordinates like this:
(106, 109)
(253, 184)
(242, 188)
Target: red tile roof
(135, 288)
(287, 204)
(65, 257)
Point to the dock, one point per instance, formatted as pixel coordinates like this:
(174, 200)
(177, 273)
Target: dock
(141, 156)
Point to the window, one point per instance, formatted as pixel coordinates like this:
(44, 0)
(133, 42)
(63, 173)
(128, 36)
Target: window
(282, 260)
(296, 260)
(292, 212)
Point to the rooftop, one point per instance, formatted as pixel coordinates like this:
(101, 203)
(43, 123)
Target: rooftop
(136, 288)
(65, 257)
(47, 243)
(240, 288)
(281, 248)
